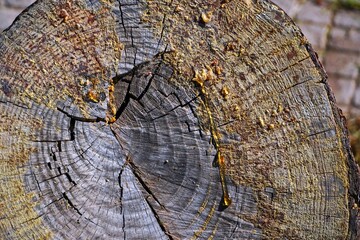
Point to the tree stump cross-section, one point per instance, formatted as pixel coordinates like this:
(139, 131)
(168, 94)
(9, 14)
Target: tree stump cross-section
(169, 120)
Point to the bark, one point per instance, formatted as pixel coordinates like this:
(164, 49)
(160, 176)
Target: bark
(169, 120)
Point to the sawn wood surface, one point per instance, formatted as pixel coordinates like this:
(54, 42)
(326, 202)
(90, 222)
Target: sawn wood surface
(169, 120)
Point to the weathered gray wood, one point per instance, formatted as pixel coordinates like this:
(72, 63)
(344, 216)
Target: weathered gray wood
(135, 119)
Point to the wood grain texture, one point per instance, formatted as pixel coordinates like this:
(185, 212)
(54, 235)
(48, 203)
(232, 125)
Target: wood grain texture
(135, 119)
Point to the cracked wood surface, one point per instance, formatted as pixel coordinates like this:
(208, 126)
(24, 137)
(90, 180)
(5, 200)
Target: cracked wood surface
(134, 120)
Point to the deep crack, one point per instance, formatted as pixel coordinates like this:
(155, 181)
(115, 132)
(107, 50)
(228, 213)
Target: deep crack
(71, 203)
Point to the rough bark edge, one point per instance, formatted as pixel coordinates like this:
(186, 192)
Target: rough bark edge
(353, 169)
(353, 172)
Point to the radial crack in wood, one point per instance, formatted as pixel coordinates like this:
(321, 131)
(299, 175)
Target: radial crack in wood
(141, 119)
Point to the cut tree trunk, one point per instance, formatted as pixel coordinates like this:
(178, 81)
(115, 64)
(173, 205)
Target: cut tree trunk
(169, 120)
